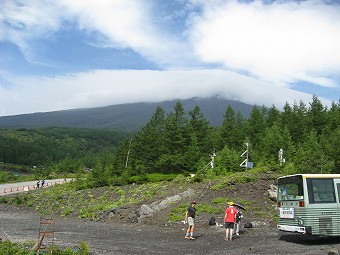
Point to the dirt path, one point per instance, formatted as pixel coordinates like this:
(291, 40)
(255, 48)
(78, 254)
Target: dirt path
(118, 239)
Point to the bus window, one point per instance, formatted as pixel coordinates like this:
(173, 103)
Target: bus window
(290, 191)
(320, 191)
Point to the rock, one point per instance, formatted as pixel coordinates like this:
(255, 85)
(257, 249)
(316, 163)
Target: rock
(110, 216)
(258, 224)
(133, 217)
(149, 210)
(145, 211)
(272, 192)
(333, 251)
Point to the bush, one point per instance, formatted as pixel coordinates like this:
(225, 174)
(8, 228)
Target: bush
(9, 248)
(232, 179)
(178, 213)
(158, 177)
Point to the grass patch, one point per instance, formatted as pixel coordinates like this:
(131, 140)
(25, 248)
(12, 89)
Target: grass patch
(158, 177)
(14, 248)
(232, 179)
(178, 213)
(65, 200)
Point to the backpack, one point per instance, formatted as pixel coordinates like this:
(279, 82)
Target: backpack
(248, 225)
(212, 221)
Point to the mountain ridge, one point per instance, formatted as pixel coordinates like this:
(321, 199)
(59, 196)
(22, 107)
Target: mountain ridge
(127, 117)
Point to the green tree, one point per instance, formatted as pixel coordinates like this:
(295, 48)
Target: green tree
(256, 126)
(192, 155)
(273, 116)
(333, 117)
(199, 125)
(310, 157)
(227, 160)
(316, 115)
(175, 140)
(274, 140)
(330, 146)
(298, 125)
(147, 146)
(228, 131)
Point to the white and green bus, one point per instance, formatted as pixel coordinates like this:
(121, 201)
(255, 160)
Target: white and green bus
(309, 204)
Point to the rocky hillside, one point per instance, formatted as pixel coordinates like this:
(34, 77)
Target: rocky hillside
(156, 203)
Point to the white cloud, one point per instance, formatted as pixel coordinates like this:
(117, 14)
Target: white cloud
(272, 45)
(21, 22)
(128, 24)
(104, 87)
(284, 41)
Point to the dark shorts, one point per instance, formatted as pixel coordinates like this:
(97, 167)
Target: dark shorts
(229, 225)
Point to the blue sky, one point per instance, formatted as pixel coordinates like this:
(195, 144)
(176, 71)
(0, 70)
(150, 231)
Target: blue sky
(66, 54)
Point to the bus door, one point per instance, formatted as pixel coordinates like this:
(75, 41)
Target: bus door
(337, 193)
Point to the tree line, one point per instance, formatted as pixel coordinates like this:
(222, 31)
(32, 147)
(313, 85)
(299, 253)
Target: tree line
(183, 142)
(56, 149)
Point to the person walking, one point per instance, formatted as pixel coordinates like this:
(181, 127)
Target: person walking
(229, 219)
(190, 218)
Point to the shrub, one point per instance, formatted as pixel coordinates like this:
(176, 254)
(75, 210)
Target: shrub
(67, 211)
(158, 177)
(178, 213)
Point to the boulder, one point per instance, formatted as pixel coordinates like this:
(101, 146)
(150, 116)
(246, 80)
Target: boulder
(272, 192)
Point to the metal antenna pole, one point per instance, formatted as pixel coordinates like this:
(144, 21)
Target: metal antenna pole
(281, 156)
(128, 154)
(246, 154)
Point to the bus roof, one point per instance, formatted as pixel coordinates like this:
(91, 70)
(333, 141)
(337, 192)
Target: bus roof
(313, 176)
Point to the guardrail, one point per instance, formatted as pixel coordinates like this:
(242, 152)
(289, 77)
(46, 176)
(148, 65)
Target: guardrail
(23, 188)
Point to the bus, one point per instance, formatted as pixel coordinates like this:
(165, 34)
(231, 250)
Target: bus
(309, 204)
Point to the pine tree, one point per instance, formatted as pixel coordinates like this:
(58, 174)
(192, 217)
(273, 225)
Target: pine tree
(298, 125)
(316, 115)
(310, 158)
(199, 125)
(175, 140)
(274, 115)
(147, 145)
(256, 126)
(228, 131)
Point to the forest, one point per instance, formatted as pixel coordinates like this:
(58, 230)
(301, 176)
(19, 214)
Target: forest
(185, 143)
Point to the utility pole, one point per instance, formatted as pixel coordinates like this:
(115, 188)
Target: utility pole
(245, 154)
(128, 154)
(281, 159)
(212, 156)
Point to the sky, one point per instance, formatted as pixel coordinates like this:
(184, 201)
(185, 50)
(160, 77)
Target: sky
(68, 54)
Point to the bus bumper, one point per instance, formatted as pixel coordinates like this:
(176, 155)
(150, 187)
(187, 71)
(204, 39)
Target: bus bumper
(295, 229)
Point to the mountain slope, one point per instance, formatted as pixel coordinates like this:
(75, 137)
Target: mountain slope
(128, 117)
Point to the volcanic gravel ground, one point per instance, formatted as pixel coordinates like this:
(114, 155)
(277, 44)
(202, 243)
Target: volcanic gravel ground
(140, 238)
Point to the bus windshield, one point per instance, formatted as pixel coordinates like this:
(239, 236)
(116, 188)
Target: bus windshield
(290, 189)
